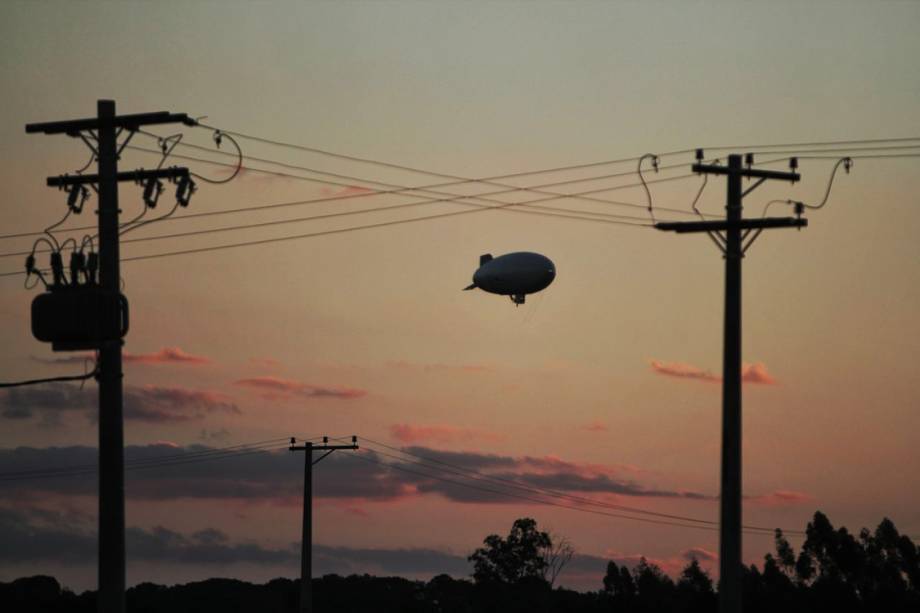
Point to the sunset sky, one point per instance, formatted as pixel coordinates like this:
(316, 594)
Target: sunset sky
(605, 385)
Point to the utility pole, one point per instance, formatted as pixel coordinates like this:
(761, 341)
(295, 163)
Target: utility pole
(306, 543)
(739, 235)
(100, 134)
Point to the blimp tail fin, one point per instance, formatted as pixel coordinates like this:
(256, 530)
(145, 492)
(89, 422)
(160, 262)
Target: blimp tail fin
(469, 287)
(486, 257)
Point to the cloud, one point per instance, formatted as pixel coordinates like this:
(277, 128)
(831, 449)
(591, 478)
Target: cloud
(166, 355)
(596, 426)
(780, 498)
(756, 373)
(750, 373)
(218, 434)
(439, 433)
(154, 403)
(24, 402)
(700, 554)
(355, 478)
(150, 403)
(684, 371)
(40, 535)
(277, 388)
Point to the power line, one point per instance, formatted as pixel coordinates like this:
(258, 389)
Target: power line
(369, 226)
(473, 474)
(543, 501)
(838, 150)
(82, 377)
(559, 169)
(399, 189)
(396, 192)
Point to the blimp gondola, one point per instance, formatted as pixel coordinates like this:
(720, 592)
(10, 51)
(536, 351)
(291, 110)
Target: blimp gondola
(513, 274)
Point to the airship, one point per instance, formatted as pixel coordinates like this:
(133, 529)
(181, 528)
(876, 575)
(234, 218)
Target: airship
(513, 274)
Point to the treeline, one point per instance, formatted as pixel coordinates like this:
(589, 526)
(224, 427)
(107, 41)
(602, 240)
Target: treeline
(833, 571)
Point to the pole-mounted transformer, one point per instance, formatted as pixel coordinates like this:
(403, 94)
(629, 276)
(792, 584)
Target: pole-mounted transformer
(77, 318)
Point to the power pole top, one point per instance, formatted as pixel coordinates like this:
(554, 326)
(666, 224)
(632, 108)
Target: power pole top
(127, 122)
(754, 173)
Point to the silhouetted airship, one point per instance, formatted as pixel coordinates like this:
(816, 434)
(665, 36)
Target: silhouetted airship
(513, 274)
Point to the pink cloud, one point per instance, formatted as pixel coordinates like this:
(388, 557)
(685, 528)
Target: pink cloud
(276, 387)
(166, 355)
(700, 554)
(750, 373)
(756, 373)
(408, 433)
(683, 371)
(781, 498)
(596, 426)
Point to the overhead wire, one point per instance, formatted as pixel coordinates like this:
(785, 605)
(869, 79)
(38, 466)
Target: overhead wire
(473, 474)
(562, 168)
(543, 501)
(648, 194)
(83, 377)
(384, 192)
(399, 189)
(528, 173)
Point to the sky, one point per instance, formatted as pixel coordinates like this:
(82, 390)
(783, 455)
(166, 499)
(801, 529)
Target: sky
(604, 385)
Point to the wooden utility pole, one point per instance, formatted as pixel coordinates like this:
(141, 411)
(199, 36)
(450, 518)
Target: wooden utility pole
(306, 543)
(100, 134)
(739, 234)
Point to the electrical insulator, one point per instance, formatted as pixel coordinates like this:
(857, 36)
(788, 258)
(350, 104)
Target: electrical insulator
(749, 159)
(57, 268)
(152, 191)
(77, 265)
(72, 198)
(699, 155)
(184, 190)
(793, 163)
(92, 265)
(847, 164)
(79, 317)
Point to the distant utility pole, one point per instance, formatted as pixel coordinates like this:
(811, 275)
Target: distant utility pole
(100, 133)
(739, 235)
(306, 543)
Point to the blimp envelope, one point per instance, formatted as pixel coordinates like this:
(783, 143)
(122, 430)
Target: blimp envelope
(513, 274)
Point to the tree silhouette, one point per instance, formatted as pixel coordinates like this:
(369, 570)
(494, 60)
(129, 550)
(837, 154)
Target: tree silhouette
(556, 555)
(511, 560)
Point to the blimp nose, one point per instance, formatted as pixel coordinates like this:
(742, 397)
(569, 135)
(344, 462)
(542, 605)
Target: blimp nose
(550, 274)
